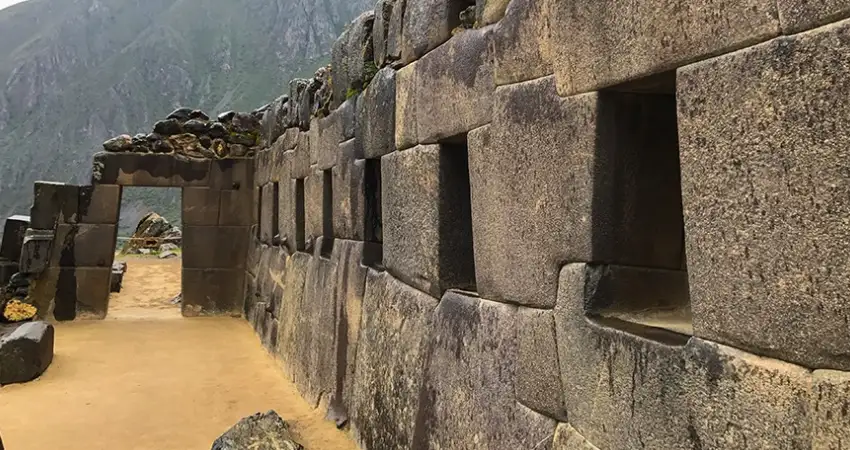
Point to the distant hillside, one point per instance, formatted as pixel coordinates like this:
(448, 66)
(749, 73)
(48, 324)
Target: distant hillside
(75, 72)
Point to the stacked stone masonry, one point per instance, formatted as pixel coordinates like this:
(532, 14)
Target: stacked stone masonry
(541, 224)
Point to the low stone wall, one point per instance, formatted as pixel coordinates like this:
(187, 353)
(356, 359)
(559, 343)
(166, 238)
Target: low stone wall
(565, 226)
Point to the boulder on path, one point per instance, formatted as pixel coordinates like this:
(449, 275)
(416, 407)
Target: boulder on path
(258, 432)
(151, 233)
(26, 350)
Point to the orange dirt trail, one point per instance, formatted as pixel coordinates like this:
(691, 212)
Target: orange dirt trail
(154, 380)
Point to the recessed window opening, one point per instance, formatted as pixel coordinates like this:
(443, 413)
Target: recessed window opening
(275, 231)
(457, 261)
(373, 219)
(327, 213)
(259, 213)
(299, 215)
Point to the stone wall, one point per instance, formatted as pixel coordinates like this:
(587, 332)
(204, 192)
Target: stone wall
(539, 224)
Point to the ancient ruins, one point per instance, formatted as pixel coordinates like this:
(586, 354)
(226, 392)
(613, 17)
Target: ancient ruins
(519, 224)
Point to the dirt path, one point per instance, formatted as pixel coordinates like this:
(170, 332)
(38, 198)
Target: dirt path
(149, 285)
(154, 382)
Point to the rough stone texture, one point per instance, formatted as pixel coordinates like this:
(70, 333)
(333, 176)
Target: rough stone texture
(376, 113)
(35, 252)
(604, 43)
(200, 206)
(26, 351)
(99, 204)
(348, 190)
(829, 410)
(462, 73)
(490, 11)
(521, 43)
(406, 134)
(157, 170)
(427, 243)
(742, 401)
(352, 55)
(289, 330)
(799, 15)
(92, 290)
(300, 157)
(268, 215)
(213, 292)
(216, 247)
(381, 31)
(567, 438)
(232, 174)
(391, 362)
(274, 120)
(53, 203)
(348, 118)
(622, 382)
(325, 135)
(427, 24)
(313, 194)
(538, 378)
(83, 245)
(266, 431)
(394, 32)
(764, 192)
(236, 207)
(605, 187)
(14, 231)
(474, 337)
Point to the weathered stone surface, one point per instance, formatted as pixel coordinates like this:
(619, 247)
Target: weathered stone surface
(799, 15)
(348, 118)
(538, 377)
(52, 203)
(289, 331)
(427, 24)
(134, 169)
(269, 212)
(232, 174)
(764, 193)
(352, 58)
(829, 409)
(260, 432)
(427, 237)
(391, 362)
(216, 247)
(474, 336)
(300, 157)
(325, 136)
(213, 292)
(35, 252)
(26, 351)
(381, 31)
(406, 133)
(348, 190)
(83, 245)
(567, 438)
(376, 115)
(462, 73)
(604, 43)
(394, 32)
(92, 290)
(605, 188)
(741, 401)
(313, 194)
(200, 206)
(274, 120)
(622, 382)
(14, 231)
(99, 204)
(521, 43)
(489, 11)
(236, 207)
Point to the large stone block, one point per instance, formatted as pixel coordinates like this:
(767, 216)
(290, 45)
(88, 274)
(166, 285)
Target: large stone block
(538, 379)
(489, 11)
(605, 187)
(406, 133)
(352, 58)
(210, 292)
(454, 87)
(274, 120)
(325, 136)
(381, 31)
(604, 43)
(521, 43)
(200, 206)
(35, 252)
(14, 231)
(269, 210)
(233, 174)
(99, 204)
(53, 203)
(92, 290)
(427, 24)
(391, 362)
(426, 223)
(799, 15)
(475, 336)
(148, 169)
(83, 245)
(26, 351)
(217, 247)
(567, 438)
(742, 401)
(289, 330)
(765, 196)
(299, 158)
(376, 112)
(830, 412)
(348, 190)
(236, 207)
(622, 382)
(313, 195)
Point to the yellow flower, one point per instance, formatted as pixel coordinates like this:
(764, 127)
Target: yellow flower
(17, 311)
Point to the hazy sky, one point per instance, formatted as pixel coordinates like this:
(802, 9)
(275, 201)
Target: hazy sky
(5, 3)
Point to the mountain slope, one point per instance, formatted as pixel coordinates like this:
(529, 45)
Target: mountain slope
(75, 72)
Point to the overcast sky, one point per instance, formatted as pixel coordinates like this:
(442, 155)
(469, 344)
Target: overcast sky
(5, 3)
